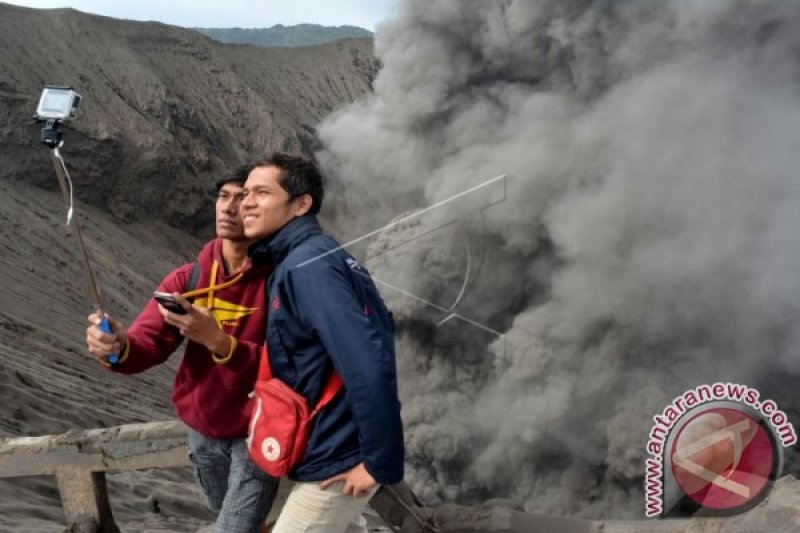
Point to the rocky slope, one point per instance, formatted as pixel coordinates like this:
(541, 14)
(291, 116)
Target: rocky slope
(165, 112)
(163, 106)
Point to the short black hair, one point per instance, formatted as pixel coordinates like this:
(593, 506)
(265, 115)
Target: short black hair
(298, 176)
(239, 176)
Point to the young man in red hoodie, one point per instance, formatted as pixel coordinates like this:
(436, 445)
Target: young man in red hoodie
(224, 327)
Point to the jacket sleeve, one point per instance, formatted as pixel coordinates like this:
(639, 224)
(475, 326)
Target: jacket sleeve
(151, 340)
(328, 303)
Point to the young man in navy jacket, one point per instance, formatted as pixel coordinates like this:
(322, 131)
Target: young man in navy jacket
(325, 316)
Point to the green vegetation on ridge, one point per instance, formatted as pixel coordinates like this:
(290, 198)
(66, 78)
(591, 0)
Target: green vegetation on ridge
(280, 35)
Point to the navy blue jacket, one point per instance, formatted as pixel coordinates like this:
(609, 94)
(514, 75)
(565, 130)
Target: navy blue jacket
(325, 313)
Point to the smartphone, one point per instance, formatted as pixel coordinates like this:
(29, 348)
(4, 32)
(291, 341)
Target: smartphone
(169, 302)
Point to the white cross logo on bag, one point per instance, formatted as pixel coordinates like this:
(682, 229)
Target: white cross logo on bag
(270, 449)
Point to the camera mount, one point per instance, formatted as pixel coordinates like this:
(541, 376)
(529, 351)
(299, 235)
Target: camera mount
(51, 135)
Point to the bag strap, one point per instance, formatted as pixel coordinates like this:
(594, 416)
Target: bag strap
(194, 277)
(331, 387)
(264, 371)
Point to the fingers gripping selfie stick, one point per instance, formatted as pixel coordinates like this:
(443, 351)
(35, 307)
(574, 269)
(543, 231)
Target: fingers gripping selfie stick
(59, 103)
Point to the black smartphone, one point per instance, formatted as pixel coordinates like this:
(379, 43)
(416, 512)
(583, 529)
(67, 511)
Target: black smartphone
(169, 302)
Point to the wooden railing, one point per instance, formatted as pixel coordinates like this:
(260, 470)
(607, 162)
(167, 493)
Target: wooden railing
(80, 459)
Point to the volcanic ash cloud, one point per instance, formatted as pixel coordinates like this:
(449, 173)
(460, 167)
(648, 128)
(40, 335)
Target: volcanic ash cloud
(642, 245)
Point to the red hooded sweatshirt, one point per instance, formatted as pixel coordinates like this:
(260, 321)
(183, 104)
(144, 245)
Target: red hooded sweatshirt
(210, 397)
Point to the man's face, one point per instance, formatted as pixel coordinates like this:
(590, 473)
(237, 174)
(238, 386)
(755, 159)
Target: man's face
(266, 207)
(229, 219)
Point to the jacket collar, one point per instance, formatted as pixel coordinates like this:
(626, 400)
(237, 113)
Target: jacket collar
(278, 245)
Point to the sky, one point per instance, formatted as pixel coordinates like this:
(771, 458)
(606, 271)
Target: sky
(233, 13)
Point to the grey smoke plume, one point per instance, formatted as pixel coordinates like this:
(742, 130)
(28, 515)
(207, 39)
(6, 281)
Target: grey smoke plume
(645, 245)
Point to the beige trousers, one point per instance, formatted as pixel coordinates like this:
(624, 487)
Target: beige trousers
(312, 510)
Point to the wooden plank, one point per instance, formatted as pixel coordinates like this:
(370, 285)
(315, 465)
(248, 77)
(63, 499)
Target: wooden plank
(129, 447)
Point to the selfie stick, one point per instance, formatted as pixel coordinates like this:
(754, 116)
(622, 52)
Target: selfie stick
(65, 183)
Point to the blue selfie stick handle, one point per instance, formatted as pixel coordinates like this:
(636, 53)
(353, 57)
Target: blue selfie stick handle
(105, 327)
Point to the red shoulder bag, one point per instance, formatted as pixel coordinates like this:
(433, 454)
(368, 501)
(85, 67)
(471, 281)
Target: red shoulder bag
(280, 422)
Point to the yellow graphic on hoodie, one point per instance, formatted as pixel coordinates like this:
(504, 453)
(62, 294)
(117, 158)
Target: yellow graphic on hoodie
(225, 313)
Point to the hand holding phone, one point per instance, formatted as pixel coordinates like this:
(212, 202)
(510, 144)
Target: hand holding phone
(170, 303)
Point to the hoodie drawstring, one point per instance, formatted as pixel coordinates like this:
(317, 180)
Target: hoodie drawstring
(212, 285)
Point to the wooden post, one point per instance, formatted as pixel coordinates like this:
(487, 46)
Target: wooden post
(79, 460)
(84, 498)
